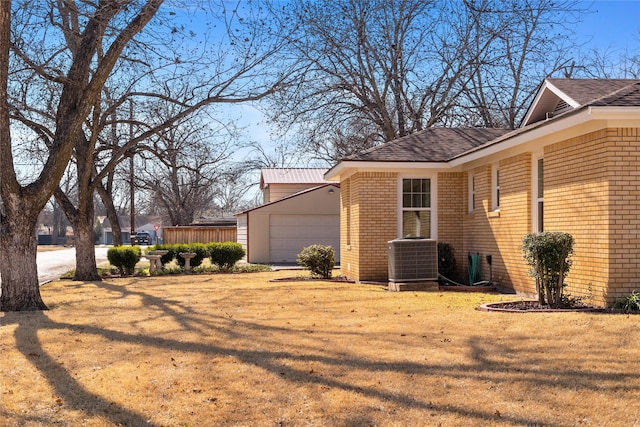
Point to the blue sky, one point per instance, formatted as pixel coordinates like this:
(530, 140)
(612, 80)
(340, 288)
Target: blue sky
(612, 24)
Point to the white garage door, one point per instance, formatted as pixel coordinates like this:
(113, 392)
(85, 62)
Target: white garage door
(288, 234)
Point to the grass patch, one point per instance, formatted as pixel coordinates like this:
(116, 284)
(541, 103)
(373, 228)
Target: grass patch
(237, 349)
(49, 248)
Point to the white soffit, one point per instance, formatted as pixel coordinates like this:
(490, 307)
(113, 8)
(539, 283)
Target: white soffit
(348, 167)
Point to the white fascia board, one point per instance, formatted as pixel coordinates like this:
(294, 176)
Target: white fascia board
(333, 174)
(348, 167)
(616, 114)
(535, 102)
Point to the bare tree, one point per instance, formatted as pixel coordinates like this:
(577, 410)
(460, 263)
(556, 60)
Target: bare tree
(180, 167)
(163, 64)
(515, 44)
(79, 86)
(373, 71)
(236, 183)
(280, 154)
(611, 63)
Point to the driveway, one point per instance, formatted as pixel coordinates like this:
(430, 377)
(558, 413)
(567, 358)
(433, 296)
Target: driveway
(53, 264)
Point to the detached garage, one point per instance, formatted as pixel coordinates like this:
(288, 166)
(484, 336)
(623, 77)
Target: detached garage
(276, 232)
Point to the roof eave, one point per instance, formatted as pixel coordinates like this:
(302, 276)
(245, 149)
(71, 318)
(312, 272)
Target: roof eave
(291, 196)
(346, 167)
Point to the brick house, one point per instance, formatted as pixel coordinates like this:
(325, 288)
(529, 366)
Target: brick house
(573, 166)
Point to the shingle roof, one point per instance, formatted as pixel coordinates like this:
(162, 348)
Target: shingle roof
(628, 96)
(429, 145)
(445, 144)
(292, 176)
(587, 91)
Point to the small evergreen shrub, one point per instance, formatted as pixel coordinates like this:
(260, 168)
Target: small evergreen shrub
(124, 258)
(447, 264)
(548, 255)
(630, 303)
(200, 249)
(169, 256)
(176, 248)
(225, 254)
(319, 259)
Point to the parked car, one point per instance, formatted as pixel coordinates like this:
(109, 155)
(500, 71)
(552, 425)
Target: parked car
(143, 238)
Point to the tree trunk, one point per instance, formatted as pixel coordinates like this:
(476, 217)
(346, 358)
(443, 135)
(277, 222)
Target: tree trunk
(18, 267)
(112, 214)
(540, 290)
(59, 233)
(86, 267)
(82, 220)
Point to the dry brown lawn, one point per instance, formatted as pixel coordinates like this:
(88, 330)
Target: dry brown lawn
(49, 248)
(239, 350)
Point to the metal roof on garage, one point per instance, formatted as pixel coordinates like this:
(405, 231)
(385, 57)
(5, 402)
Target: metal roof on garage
(292, 176)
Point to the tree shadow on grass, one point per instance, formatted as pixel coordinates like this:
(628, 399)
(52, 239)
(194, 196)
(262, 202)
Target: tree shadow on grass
(483, 363)
(68, 390)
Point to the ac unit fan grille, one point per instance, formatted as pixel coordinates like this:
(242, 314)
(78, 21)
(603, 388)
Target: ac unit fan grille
(413, 260)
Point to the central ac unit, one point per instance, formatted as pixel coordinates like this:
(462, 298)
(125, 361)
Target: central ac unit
(413, 260)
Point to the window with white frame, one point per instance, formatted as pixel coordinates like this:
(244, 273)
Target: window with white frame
(472, 193)
(416, 207)
(540, 196)
(496, 189)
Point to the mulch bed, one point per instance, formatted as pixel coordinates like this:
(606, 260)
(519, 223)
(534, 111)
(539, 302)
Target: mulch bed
(464, 288)
(532, 306)
(312, 279)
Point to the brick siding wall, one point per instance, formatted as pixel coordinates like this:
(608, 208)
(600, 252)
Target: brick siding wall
(373, 214)
(451, 209)
(512, 223)
(576, 201)
(593, 193)
(478, 235)
(499, 233)
(348, 264)
(624, 212)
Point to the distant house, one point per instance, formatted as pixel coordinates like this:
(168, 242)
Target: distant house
(300, 208)
(573, 166)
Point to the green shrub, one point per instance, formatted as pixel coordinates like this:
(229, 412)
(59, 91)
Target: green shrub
(175, 250)
(630, 303)
(124, 258)
(200, 249)
(447, 264)
(225, 254)
(169, 256)
(548, 254)
(319, 259)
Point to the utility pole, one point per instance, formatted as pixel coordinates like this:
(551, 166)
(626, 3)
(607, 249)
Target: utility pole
(132, 235)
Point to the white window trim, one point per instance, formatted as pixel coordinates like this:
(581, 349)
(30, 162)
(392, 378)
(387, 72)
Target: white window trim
(434, 202)
(534, 190)
(495, 187)
(471, 193)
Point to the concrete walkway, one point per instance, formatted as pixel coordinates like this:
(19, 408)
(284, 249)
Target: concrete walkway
(53, 264)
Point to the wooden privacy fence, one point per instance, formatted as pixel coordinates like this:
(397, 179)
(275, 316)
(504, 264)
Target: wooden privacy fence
(198, 234)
